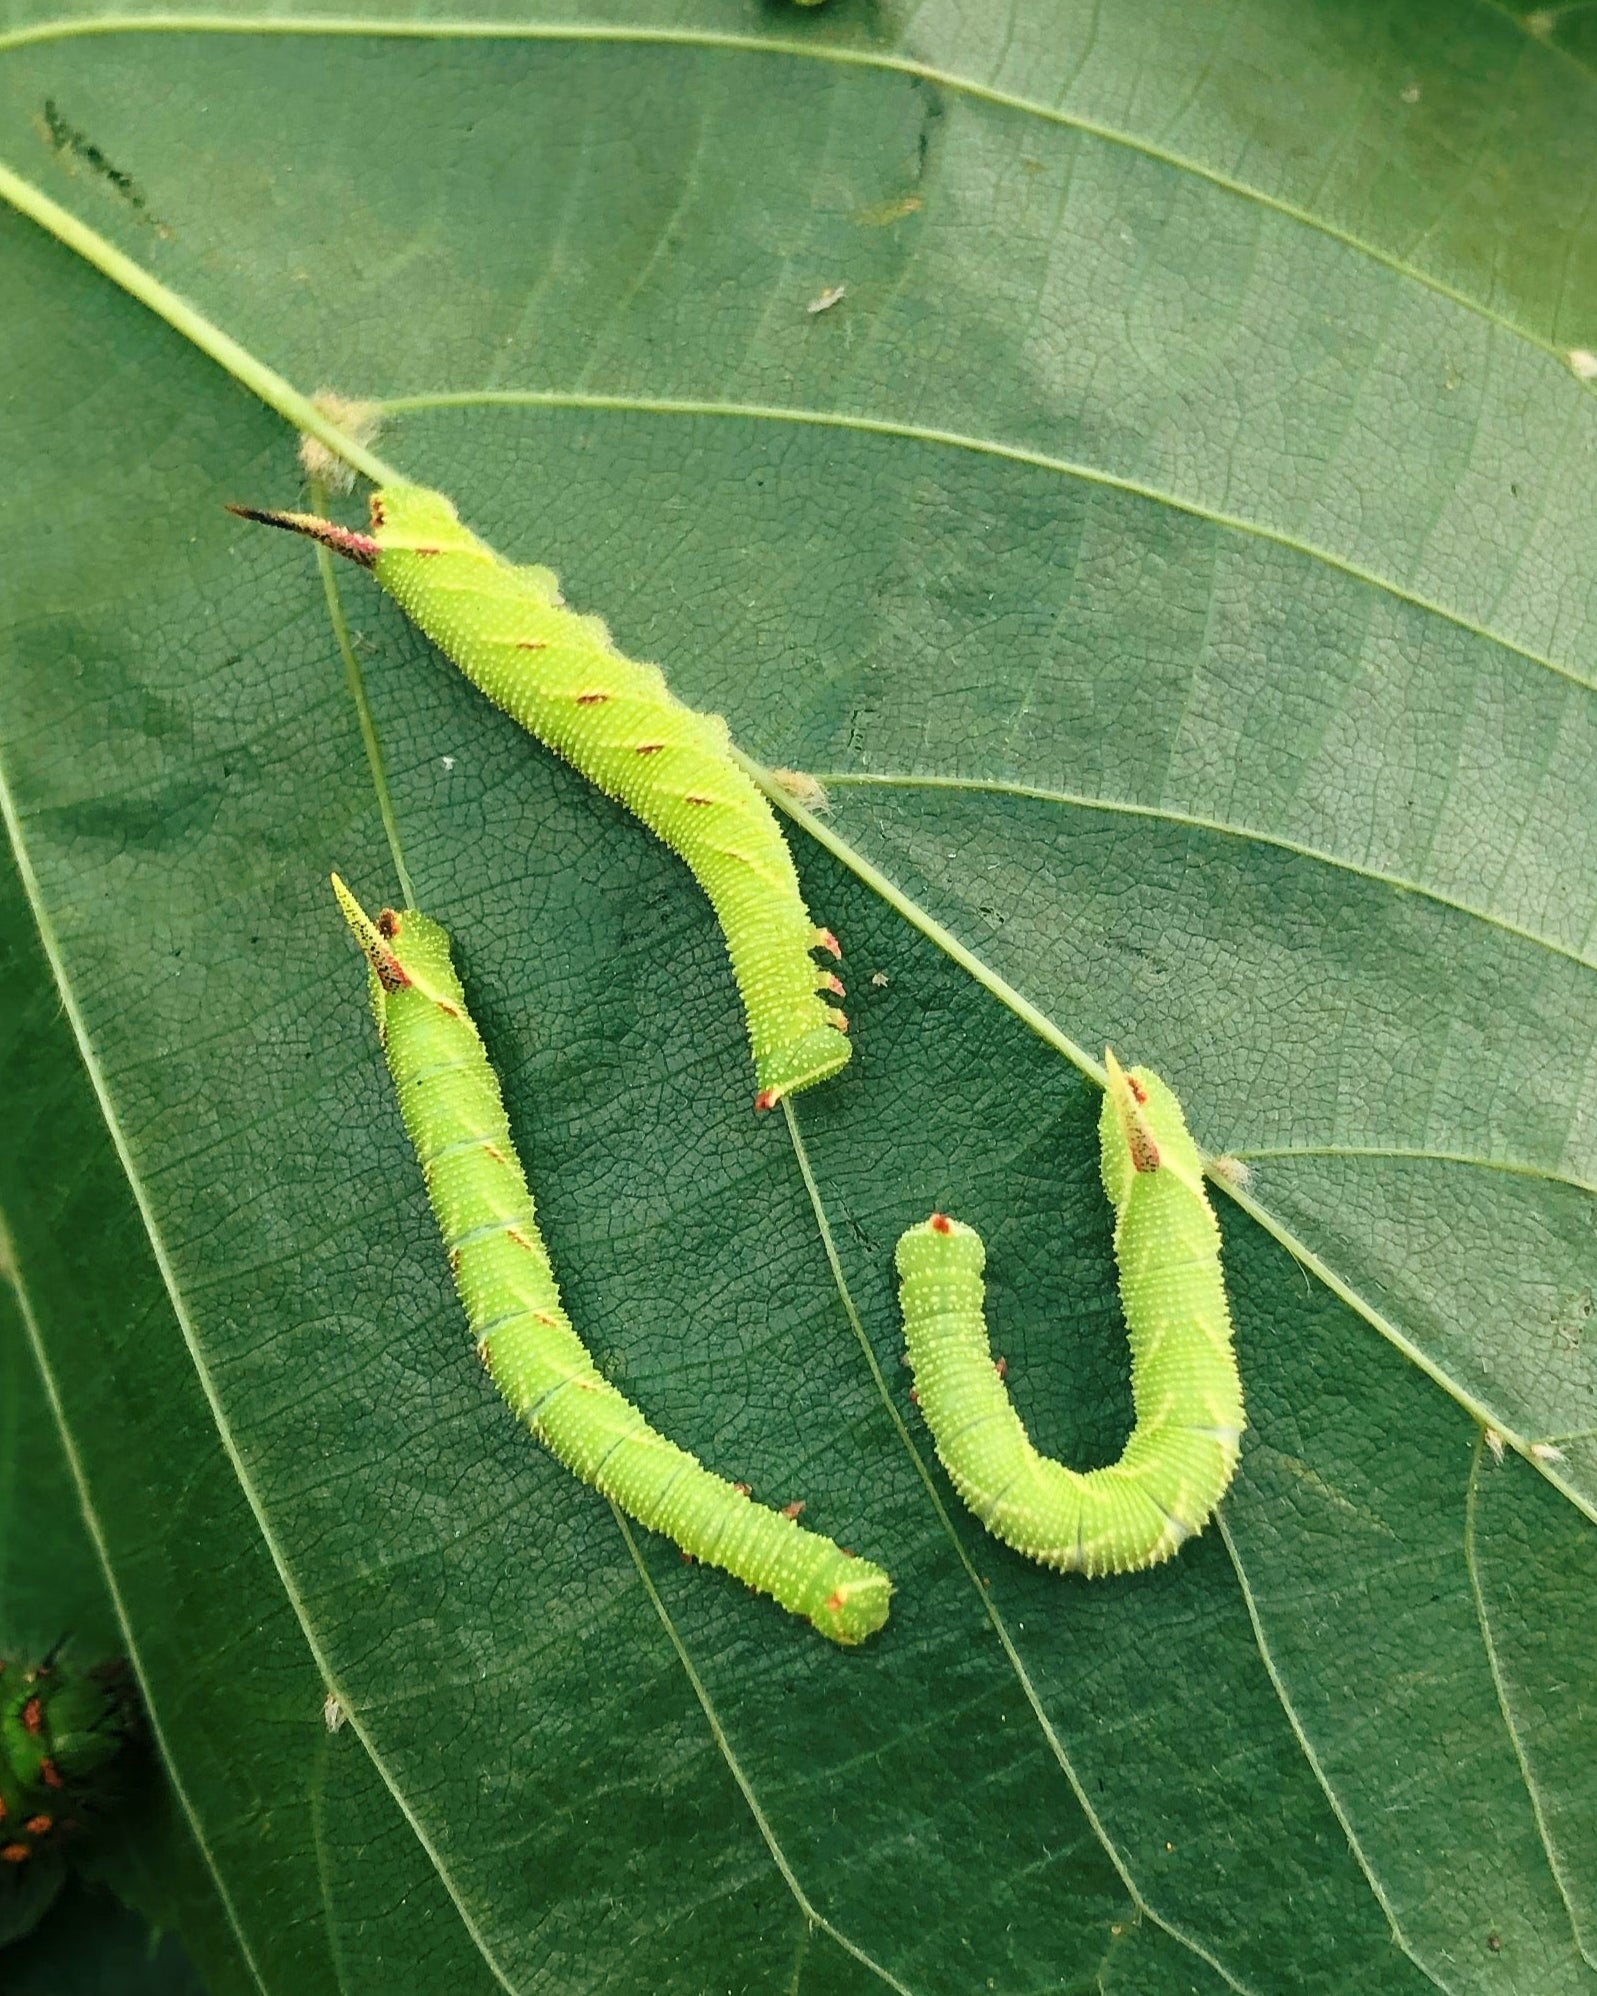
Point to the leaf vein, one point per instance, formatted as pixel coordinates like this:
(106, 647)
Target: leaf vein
(1196, 821)
(347, 27)
(12, 1275)
(762, 1823)
(1315, 1764)
(1505, 1705)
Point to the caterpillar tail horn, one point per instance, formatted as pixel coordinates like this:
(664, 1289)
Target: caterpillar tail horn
(1127, 1100)
(342, 540)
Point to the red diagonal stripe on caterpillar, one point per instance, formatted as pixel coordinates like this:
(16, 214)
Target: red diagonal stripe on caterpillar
(509, 632)
(1183, 1448)
(484, 1209)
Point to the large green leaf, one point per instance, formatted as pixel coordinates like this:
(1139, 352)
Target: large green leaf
(1174, 550)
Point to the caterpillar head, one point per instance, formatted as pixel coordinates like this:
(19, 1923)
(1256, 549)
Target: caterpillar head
(855, 1609)
(940, 1248)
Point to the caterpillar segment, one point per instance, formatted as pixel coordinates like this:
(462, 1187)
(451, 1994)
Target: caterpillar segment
(559, 675)
(453, 1111)
(1183, 1448)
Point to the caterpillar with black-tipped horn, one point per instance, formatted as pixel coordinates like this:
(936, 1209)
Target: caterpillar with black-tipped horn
(454, 1113)
(1183, 1448)
(560, 676)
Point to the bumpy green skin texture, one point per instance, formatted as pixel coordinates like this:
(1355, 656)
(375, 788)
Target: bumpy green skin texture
(60, 1727)
(452, 1108)
(559, 675)
(1183, 1449)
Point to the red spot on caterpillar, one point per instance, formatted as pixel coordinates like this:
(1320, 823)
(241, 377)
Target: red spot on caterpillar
(1144, 1151)
(793, 1510)
(838, 1019)
(1001, 1367)
(1137, 1088)
(543, 1317)
(833, 983)
(688, 1559)
(492, 1150)
(744, 1489)
(591, 699)
(33, 1716)
(834, 1602)
(767, 1099)
(940, 1224)
(49, 1773)
(649, 748)
(848, 1552)
(532, 644)
(14, 1853)
(914, 1397)
(388, 924)
(519, 1238)
(37, 1826)
(693, 798)
(824, 939)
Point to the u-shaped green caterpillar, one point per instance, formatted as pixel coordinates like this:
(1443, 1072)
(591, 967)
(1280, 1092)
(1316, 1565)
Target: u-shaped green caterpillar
(559, 675)
(1183, 1449)
(452, 1109)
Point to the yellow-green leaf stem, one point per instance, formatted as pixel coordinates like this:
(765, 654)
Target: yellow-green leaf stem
(1182, 1452)
(450, 1101)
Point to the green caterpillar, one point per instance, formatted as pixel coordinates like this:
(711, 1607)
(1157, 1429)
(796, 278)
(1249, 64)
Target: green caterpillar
(61, 1731)
(1183, 1449)
(450, 1101)
(559, 675)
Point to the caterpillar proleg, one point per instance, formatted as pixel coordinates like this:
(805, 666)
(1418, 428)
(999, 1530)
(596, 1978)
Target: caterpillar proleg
(1182, 1451)
(452, 1109)
(559, 675)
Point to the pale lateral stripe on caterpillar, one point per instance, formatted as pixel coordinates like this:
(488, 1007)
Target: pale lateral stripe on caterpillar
(452, 1109)
(1182, 1451)
(559, 675)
